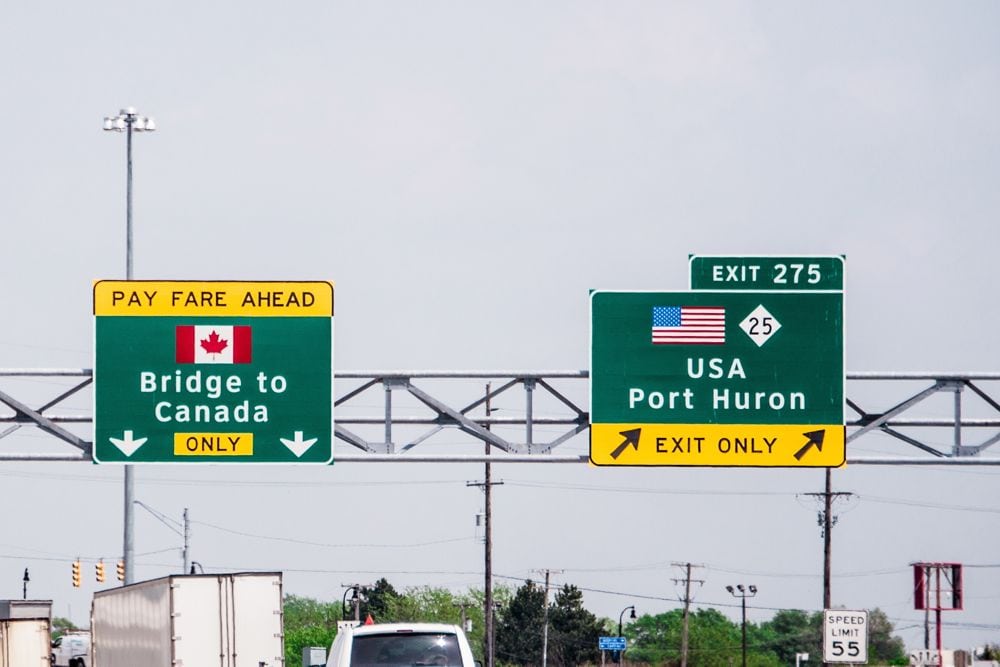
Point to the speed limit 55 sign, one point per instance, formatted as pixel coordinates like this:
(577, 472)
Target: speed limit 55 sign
(845, 636)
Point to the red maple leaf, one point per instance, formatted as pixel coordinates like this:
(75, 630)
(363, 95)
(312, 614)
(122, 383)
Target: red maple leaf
(213, 344)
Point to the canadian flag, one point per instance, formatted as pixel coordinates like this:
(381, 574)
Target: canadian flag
(213, 344)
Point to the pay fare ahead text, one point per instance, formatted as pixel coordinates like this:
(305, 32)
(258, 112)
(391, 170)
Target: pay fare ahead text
(213, 298)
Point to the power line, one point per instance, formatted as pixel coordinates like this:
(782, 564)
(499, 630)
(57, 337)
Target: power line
(293, 540)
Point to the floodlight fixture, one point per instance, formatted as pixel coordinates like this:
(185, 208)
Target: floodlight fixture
(128, 119)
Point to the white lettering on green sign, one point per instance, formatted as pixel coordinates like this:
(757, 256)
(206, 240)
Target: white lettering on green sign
(722, 398)
(210, 386)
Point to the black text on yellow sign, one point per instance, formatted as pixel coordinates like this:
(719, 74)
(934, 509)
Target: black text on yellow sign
(213, 444)
(213, 298)
(719, 445)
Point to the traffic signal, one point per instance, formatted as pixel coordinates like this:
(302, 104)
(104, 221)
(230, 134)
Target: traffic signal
(99, 571)
(76, 573)
(121, 570)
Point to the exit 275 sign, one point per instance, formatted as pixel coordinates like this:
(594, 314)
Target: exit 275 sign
(212, 372)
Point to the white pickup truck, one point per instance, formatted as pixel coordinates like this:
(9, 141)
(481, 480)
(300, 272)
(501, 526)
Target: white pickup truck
(401, 645)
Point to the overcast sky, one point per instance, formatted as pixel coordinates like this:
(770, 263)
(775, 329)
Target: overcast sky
(465, 173)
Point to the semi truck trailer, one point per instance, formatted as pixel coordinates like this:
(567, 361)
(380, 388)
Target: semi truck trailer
(217, 620)
(25, 633)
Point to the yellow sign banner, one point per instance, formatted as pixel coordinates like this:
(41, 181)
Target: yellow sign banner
(719, 445)
(213, 444)
(213, 298)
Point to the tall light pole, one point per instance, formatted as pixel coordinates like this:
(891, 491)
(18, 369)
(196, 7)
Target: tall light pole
(618, 656)
(128, 121)
(743, 593)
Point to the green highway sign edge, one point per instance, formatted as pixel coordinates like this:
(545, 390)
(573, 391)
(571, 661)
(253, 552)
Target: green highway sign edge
(788, 273)
(322, 453)
(832, 413)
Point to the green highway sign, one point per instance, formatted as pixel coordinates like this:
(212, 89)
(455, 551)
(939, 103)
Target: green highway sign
(717, 378)
(213, 372)
(798, 273)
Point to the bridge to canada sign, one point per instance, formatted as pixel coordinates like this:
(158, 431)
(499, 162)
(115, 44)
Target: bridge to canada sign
(213, 372)
(717, 378)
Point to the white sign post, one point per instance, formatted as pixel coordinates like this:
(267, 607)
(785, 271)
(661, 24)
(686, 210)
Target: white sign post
(845, 636)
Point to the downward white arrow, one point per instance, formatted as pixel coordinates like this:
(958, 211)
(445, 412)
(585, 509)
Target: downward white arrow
(128, 445)
(298, 445)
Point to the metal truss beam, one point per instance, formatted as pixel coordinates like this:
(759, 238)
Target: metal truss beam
(430, 411)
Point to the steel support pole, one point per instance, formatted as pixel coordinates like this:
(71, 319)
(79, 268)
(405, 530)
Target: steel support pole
(529, 387)
(827, 539)
(956, 450)
(128, 548)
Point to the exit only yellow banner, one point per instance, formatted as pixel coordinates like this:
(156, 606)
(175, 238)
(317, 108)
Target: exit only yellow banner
(719, 445)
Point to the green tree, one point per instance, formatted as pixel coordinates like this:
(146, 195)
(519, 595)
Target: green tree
(573, 631)
(990, 652)
(713, 640)
(883, 647)
(61, 626)
(519, 627)
(475, 598)
(426, 605)
(794, 631)
(378, 601)
(308, 622)
(654, 639)
(299, 638)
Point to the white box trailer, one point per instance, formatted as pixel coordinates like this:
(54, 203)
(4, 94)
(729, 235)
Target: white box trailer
(204, 620)
(25, 633)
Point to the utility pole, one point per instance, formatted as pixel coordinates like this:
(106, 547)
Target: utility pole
(545, 631)
(827, 522)
(187, 543)
(687, 605)
(489, 631)
(488, 548)
(545, 612)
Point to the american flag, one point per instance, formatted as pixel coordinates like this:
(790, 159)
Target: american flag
(689, 325)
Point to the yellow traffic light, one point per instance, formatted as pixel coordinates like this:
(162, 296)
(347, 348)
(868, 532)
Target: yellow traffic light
(121, 570)
(76, 573)
(99, 571)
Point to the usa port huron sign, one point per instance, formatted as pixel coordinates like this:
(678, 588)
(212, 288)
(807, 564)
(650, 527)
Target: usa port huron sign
(213, 372)
(717, 378)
